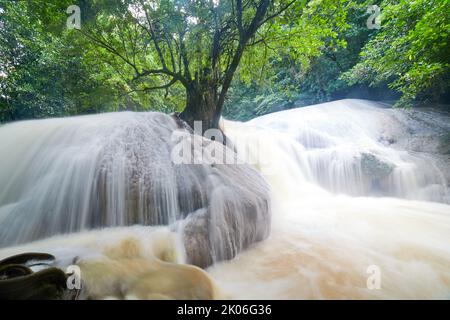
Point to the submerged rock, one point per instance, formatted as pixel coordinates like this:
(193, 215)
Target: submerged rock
(160, 276)
(374, 167)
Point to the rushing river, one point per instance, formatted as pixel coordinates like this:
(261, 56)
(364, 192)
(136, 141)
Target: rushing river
(357, 190)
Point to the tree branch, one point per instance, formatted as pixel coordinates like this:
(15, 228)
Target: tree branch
(163, 86)
(276, 14)
(111, 49)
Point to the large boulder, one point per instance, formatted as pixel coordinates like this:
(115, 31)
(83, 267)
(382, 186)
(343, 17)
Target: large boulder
(118, 170)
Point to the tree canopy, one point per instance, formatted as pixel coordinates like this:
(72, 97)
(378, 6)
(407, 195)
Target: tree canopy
(411, 51)
(204, 58)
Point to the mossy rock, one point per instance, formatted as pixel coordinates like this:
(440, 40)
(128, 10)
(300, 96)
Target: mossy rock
(374, 167)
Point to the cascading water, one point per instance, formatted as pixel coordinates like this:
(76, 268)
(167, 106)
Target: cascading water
(328, 235)
(62, 176)
(337, 173)
(360, 148)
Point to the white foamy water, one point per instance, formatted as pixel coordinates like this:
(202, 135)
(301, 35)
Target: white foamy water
(62, 176)
(326, 231)
(350, 190)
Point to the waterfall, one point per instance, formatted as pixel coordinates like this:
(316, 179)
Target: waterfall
(359, 148)
(336, 221)
(67, 175)
(352, 186)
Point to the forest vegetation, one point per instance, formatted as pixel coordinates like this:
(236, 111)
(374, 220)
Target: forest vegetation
(205, 58)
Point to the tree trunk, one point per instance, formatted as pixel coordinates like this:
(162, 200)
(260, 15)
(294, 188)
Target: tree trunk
(202, 105)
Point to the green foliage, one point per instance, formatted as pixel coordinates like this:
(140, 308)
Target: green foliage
(122, 44)
(295, 38)
(410, 53)
(47, 70)
(291, 81)
(42, 73)
(310, 52)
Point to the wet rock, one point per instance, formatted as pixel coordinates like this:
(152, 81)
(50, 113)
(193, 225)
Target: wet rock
(123, 171)
(19, 282)
(29, 258)
(45, 284)
(238, 216)
(13, 271)
(374, 167)
(444, 144)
